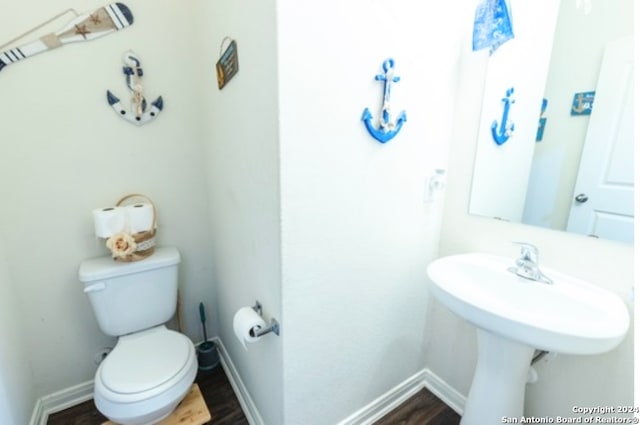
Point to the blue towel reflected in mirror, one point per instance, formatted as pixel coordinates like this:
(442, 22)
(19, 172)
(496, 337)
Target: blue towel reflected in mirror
(492, 26)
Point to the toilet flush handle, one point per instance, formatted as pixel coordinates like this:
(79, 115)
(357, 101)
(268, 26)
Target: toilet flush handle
(100, 286)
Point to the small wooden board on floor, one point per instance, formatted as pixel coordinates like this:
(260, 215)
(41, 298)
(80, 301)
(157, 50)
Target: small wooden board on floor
(192, 410)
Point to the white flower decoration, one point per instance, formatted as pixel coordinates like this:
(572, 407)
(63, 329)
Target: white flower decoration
(121, 244)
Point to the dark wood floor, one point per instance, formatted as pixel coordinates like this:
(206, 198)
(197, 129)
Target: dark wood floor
(422, 409)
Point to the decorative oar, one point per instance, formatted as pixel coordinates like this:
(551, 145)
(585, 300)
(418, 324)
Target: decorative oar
(103, 21)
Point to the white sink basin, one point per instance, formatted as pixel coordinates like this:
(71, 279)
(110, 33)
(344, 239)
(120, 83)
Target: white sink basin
(569, 316)
(514, 316)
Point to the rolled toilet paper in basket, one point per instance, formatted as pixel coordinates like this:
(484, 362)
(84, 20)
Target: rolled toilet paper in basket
(140, 217)
(244, 321)
(108, 221)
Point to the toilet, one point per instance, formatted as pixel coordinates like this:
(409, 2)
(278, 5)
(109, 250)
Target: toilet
(151, 368)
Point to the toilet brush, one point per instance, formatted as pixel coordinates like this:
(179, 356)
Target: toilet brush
(203, 320)
(207, 354)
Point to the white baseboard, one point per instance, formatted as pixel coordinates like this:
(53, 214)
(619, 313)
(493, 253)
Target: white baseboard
(370, 413)
(246, 402)
(393, 398)
(367, 415)
(38, 417)
(386, 402)
(60, 400)
(444, 391)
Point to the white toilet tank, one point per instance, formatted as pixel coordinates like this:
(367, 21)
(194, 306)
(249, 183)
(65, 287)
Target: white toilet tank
(129, 297)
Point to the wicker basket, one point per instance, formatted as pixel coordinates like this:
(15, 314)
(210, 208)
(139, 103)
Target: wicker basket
(143, 245)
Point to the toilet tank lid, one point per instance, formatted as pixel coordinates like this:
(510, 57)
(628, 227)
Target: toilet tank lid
(105, 267)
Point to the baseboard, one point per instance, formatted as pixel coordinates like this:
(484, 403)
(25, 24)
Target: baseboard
(246, 402)
(393, 398)
(38, 417)
(386, 402)
(444, 391)
(60, 400)
(367, 415)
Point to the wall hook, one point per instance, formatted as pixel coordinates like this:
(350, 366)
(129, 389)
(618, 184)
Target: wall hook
(506, 126)
(387, 129)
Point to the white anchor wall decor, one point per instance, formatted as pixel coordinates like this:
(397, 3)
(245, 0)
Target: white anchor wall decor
(387, 129)
(502, 134)
(89, 26)
(139, 114)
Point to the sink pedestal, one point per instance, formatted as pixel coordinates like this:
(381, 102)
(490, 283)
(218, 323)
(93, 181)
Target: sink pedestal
(499, 381)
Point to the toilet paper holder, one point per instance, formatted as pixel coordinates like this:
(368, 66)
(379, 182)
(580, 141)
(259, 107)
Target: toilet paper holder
(258, 331)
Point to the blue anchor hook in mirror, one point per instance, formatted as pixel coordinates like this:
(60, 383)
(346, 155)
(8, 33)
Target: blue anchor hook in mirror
(387, 129)
(506, 126)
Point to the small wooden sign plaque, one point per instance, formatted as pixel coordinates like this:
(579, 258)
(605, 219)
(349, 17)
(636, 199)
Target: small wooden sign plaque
(227, 66)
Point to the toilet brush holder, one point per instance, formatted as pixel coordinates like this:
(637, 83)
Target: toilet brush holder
(207, 353)
(207, 356)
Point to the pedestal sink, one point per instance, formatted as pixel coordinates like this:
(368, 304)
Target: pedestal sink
(514, 316)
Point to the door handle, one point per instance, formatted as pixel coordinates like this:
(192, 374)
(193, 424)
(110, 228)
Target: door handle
(582, 198)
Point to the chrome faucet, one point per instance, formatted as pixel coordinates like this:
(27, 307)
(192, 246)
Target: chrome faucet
(527, 264)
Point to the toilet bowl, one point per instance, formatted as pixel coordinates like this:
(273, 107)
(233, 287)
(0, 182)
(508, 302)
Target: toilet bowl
(145, 376)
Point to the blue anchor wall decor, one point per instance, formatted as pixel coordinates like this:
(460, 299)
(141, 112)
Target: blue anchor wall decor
(140, 115)
(387, 129)
(506, 126)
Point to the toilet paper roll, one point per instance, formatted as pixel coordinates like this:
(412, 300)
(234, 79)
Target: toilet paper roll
(139, 217)
(108, 221)
(244, 321)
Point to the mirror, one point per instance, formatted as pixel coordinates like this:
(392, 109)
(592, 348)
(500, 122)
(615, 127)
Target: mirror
(577, 171)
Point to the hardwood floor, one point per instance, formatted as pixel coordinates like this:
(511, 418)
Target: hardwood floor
(422, 409)
(220, 398)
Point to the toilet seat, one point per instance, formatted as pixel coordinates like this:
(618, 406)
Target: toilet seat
(128, 376)
(144, 361)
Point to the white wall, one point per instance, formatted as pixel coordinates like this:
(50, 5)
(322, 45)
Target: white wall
(65, 152)
(241, 124)
(17, 390)
(568, 380)
(356, 235)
